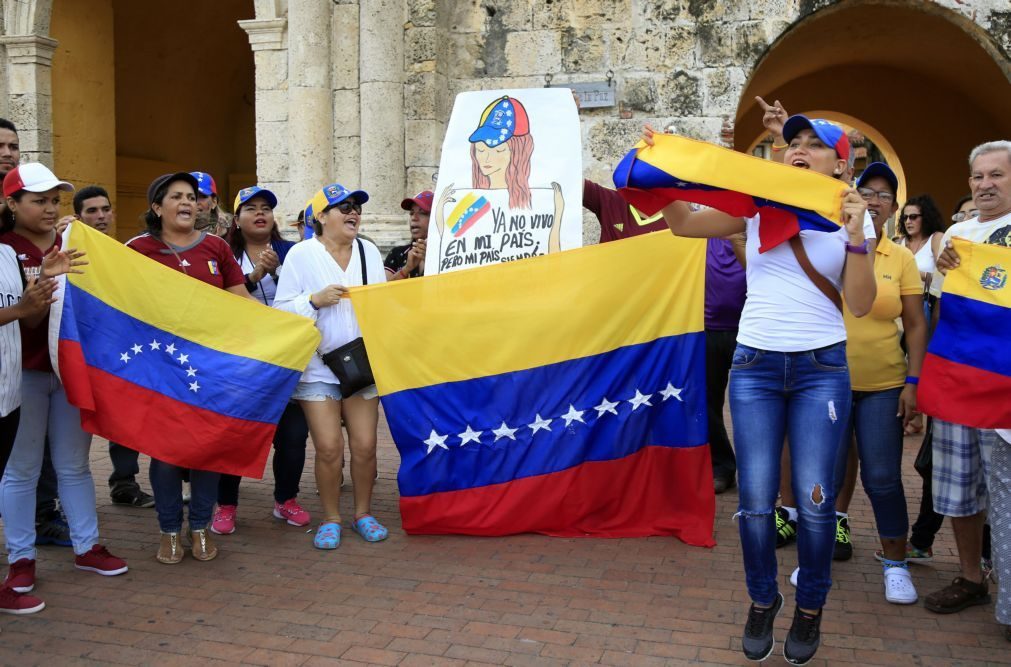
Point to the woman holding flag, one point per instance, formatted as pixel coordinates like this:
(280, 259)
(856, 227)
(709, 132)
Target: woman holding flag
(315, 284)
(790, 378)
(172, 240)
(32, 193)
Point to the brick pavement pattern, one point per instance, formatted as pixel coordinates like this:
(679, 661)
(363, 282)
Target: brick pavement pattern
(270, 598)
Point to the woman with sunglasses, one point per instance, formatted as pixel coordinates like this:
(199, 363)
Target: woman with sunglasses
(921, 228)
(173, 240)
(260, 251)
(789, 378)
(315, 282)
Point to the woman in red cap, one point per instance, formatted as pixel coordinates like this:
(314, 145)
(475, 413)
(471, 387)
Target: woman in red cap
(173, 240)
(33, 192)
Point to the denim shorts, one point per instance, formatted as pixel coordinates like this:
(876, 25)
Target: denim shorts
(316, 391)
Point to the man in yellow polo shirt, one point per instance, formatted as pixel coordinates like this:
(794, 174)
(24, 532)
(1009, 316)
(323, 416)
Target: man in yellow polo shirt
(884, 388)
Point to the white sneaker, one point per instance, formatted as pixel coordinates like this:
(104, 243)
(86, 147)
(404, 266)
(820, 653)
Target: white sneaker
(186, 492)
(899, 588)
(793, 577)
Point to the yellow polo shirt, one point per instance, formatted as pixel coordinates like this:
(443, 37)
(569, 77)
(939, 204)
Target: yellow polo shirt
(872, 342)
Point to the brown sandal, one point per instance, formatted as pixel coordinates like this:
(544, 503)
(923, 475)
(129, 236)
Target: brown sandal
(958, 595)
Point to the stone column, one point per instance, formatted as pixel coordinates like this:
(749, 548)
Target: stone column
(310, 102)
(381, 68)
(29, 88)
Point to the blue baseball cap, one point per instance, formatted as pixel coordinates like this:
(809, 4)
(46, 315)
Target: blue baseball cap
(333, 194)
(245, 194)
(501, 120)
(205, 183)
(830, 133)
(881, 169)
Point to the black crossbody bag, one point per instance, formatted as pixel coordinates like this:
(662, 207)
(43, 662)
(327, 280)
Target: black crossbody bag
(350, 361)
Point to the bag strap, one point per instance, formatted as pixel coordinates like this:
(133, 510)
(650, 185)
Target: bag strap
(361, 255)
(180, 259)
(820, 281)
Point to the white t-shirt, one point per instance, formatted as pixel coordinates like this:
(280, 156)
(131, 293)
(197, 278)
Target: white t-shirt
(11, 290)
(785, 311)
(308, 268)
(994, 232)
(266, 289)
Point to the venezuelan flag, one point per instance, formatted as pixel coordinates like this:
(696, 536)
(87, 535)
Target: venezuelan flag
(537, 398)
(470, 209)
(679, 169)
(170, 366)
(966, 374)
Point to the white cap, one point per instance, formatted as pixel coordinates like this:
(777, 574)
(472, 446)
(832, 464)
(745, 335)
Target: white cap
(33, 177)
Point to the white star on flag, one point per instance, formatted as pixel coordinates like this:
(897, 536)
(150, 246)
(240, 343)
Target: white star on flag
(573, 415)
(539, 424)
(606, 406)
(191, 372)
(504, 431)
(194, 386)
(125, 356)
(171, 349)
(672, 391)
(470, 435)
(183, 358)
(137, 349)
(436, 440)
(640, 399)
(155, 345)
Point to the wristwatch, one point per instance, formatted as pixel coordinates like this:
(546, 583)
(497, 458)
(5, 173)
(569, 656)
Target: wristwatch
(861, 249)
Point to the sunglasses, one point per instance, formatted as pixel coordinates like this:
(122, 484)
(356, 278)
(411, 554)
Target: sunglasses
(964, 215)
(346, 207)
(912, 216)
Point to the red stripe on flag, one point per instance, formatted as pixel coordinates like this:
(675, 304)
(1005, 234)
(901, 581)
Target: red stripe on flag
(655, 491)
(963, 394)
(161, 427)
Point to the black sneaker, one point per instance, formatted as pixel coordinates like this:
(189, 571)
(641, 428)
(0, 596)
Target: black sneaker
(803, 639)
(758, 637)
(843, 541)
(786, 530)
(131, 494)
(53, 530)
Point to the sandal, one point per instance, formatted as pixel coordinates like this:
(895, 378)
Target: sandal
(328, 535)
(370, 529)
(958, 595)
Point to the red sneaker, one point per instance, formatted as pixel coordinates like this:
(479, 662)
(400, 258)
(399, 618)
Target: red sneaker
(292, 512)
(99, 560)
(21, 576)
(12, 602)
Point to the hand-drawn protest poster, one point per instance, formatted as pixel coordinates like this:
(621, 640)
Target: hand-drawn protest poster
(510, 179)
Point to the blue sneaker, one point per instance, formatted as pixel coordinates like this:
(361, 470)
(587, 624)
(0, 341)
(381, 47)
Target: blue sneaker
(54, 531)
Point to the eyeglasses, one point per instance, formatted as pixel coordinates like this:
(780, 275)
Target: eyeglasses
(961, 216)
(912, 216)
(883, 197)
(346, 207)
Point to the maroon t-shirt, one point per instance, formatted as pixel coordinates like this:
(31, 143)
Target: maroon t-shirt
(614, 215)
(34, 340)
(208, 259)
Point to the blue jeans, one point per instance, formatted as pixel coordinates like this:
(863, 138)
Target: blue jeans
(46, 412)
(879, 447)
(804, 396)
(167, 487)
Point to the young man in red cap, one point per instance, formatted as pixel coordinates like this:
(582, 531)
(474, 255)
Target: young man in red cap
(407, 261)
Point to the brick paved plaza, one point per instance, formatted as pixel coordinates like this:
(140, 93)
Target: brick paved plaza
(271, 599)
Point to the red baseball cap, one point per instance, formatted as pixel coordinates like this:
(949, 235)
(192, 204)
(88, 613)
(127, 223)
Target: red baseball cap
(33, 177)
(422, 199)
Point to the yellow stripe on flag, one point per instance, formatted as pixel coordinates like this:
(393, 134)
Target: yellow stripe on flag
(169, 300)
(651, 283)
(980, 263)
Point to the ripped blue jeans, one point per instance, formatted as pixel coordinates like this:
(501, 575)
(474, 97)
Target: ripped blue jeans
(803, 396)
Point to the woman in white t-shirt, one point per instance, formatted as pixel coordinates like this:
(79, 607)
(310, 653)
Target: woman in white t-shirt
(921, 228)
(317, 275)
(790, 379)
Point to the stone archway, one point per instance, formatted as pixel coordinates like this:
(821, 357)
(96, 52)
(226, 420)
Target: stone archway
(922, 80)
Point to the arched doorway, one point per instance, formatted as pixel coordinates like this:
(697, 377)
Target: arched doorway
(922, 82)
(140, 89)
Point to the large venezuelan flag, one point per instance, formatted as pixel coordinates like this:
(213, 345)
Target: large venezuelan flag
(170, 366)
(679, 169)
(966, 376)
(562, 394)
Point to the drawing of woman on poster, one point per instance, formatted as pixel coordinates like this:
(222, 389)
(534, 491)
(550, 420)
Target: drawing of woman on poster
(501, 149)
